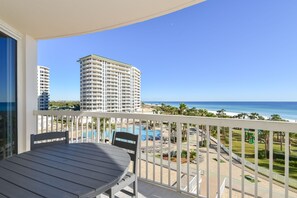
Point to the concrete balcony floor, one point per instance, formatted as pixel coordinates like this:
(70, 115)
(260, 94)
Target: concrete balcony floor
(149, 190)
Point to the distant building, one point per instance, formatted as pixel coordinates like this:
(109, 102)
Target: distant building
(43, 75)
(108, 85)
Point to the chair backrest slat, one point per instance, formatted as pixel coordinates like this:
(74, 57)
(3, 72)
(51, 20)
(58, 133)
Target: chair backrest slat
(126, 136)
(129, 142)
(125, 145)
(50, 138)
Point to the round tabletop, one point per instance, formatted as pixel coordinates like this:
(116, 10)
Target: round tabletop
(66, 170)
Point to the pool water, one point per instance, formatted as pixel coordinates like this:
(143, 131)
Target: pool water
(150, 133)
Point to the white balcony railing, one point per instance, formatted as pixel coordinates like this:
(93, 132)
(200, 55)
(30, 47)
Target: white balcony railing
(172, 152)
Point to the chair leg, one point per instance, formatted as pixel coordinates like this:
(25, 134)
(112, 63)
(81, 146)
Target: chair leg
(112, 193)
(135, 188)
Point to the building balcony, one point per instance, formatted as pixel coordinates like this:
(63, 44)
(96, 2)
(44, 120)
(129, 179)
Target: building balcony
(209, 164)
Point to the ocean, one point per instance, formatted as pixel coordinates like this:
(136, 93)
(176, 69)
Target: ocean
(4, 106)
(287, 110)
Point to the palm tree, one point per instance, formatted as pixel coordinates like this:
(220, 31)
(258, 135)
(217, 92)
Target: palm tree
(182, 109)
(280, 135)
(264, 137)
(221, 113)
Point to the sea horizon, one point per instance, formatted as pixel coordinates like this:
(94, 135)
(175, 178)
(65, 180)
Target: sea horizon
(286, 109)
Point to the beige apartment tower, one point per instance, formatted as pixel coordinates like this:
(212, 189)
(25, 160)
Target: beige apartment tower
(109, 86)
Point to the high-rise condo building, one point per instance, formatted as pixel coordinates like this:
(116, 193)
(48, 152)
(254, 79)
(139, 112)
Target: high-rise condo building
(108, 85)
(43, 75)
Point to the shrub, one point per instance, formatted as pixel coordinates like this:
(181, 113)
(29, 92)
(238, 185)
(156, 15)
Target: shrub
(261, 154)
(226, 139)
(184, 154)
(193, 154)
(282, 156)
(292, 163)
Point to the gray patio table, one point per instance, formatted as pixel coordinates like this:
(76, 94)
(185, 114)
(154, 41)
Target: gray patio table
(70, 170)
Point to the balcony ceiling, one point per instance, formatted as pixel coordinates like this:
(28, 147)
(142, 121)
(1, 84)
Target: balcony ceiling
(44, 19)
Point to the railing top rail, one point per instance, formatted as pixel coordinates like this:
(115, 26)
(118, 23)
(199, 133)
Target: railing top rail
(226, 122)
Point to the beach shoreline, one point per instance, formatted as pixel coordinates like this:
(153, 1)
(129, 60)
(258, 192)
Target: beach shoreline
(149, 107)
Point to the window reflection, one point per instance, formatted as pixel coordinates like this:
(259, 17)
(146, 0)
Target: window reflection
(8, 97)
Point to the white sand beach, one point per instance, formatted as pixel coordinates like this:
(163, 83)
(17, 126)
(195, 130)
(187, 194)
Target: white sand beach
(148, 109)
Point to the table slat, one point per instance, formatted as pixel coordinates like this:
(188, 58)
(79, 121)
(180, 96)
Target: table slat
(68, 168)
(82, 180)
(11, 190)
(59, 183)
(101, 158)
(32, 185)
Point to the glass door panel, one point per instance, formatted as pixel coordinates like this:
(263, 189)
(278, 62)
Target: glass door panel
(8, 96)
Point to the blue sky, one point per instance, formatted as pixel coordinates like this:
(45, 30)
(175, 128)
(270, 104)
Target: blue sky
(215, 51)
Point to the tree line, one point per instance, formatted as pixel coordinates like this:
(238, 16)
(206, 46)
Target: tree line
(183, 109)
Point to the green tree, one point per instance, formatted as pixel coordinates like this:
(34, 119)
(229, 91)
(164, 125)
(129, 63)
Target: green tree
(276, 117)
(255, 116)
(241, 116)
(221, 113)
(182, 109)
(281, 135)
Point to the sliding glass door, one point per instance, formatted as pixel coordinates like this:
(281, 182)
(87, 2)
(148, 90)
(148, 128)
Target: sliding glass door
(8, 96)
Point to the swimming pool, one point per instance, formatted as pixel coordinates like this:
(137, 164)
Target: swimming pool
(150, 133)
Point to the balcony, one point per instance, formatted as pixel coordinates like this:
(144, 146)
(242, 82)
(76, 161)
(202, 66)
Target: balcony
(207, 165)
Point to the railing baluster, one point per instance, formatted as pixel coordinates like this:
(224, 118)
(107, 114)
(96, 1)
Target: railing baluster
(37, 124)
(92, 130)
(242, 160)
(52, 123)
(62, 127)
(207, 161)
(154, 150)
(104, 129)
(219, 161)
(161, 158)
(76, 127)
(198, 159)
(287, 152)
(110, 131)
(72, 120)
(169, 152)
(82, 128)
(256, 161)
(46, 126)
(146, 156)
(178, 157)
(188, 157)
(41, 124)
(98, 130)
(57, 126)
(67, 123)
(133, 126)
(230, 162)
(270, 162)
(127, 126)
(87, 130)
(140, 152)
(121, 124)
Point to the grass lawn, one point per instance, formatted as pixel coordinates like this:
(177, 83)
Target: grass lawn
(250, 151)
